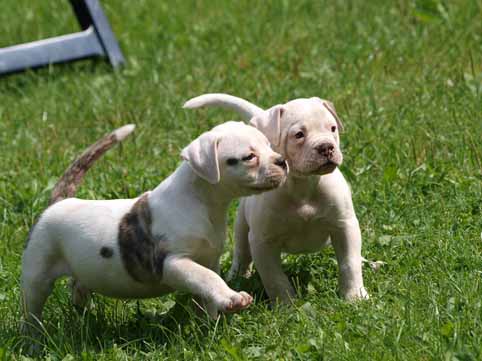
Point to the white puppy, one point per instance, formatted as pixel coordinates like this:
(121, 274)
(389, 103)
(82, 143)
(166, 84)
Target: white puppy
(313, 207)
(168, 239)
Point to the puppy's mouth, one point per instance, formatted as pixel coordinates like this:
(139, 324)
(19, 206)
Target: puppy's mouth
(269, 184)
(263, 188)
(326, 168)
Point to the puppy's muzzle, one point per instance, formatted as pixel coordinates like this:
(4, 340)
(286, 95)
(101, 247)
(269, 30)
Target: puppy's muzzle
(326, 149)
(329, 153)
(274, 175)
(281, 162)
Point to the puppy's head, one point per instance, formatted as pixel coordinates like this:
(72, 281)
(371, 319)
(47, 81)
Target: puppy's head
(306, 133)
(238, 157)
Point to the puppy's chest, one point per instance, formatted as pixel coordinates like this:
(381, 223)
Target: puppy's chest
(304, 237)
(305, 228)
(309, 212)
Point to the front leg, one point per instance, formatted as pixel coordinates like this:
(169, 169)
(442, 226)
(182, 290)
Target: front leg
(184, 274)
(346, 240)
(206, 305)
(267, 260)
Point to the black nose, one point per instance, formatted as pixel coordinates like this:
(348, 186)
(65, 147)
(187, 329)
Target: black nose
(280, 162)
(326, 149)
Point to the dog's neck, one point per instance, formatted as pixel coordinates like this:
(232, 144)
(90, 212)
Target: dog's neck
(213, 196)
(191, 192)
(302, 186)
(310, 188)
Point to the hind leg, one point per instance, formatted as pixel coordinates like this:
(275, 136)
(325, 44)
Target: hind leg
(40, 269)
(37, 284)
(81, 295)
(242, 254)
(35, 291)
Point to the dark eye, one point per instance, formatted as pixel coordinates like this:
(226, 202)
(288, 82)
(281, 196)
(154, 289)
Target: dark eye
(299, 135)
(333, 129)
(232, 161)
(249, 157)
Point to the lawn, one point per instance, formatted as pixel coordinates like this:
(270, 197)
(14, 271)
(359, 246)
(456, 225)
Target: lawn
(406, 78)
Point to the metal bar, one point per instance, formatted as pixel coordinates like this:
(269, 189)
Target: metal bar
(59, 49)
(96, 39)
(90, 12)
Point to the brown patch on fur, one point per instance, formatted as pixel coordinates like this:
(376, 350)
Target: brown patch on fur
(142, 254)
(106, 252)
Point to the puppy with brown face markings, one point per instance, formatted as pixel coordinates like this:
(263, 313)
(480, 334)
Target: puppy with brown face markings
(311, 210)
(168, 239)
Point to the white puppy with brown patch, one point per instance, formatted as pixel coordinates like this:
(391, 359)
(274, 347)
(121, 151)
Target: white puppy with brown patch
(311, 209)
(165, 240)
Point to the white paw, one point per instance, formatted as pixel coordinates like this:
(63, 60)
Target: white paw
(234, 302)
(355, 294)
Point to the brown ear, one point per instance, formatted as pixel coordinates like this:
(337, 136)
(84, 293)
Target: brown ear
(331, 108)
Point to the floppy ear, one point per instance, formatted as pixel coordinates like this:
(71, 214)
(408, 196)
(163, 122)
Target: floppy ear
(202, 156)
(331, 108)
(268, 123)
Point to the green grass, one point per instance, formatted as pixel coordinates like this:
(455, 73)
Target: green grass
(406, 77)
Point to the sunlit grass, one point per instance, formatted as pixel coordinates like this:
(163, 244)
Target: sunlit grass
(406, 78)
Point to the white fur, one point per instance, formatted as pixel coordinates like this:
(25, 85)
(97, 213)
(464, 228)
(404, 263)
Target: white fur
(187, 210)
(312, 209)
(242, 106)
(124, 131)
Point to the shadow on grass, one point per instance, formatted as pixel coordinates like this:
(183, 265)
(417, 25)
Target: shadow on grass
(17, 83)
(141, 326)
(299, 278)
(107, 327)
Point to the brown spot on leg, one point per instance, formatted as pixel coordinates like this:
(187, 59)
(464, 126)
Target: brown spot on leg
(106, 252)
(142, 254)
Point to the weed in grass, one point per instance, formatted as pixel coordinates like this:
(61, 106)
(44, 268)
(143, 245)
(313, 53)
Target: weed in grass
(406, 78)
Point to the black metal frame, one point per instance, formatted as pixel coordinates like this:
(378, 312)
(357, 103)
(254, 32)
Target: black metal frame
(95, 40)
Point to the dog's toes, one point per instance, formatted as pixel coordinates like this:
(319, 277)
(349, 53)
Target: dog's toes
(246, 296)
(247, 299)
(238, 302)
(364, 294)
(356, 294)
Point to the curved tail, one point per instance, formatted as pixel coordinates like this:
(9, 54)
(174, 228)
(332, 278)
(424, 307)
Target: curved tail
(68, 183)
(245, 108)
